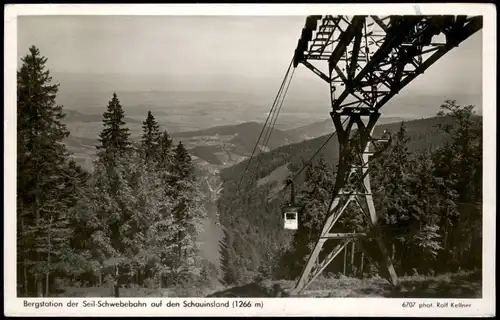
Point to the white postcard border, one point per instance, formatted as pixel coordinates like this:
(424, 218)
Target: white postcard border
(271, 306)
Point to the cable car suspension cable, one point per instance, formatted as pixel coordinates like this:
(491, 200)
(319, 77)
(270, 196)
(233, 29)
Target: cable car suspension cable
(266, 139)
(279, 109)
(296, 175)
(317, 152)
(265, 124)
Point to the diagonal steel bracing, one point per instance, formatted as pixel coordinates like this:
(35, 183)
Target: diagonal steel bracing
(369, 59)
(358, 191)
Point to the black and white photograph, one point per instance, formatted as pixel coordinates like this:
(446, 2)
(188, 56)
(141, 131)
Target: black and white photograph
(252, 156)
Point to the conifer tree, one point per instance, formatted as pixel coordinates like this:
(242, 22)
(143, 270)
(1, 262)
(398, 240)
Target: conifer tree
(461, 159)
(188, 211)
(44, 176)
(181, 176)
(229, 272)
(391, 176)
(183, 166)
(459, 166)
(152, 226)
(150, 137)
(130, 224)
(114, 137)
(105, 209)
(165, 152)
(426, 204)
(109, 204)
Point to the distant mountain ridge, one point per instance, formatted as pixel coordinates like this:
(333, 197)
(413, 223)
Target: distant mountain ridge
(424, 134)
(320, 128)
(76, 116)
(219, 145)
(239, 140)
(242, 129)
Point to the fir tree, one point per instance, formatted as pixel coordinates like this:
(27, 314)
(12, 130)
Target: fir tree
(105, 209)
(180, 180)
(426, 204)
(114, 212)
(165, 152)
(150, 137)
(111, 183)
(229, 272)
(459, 166)
(183, 166)
(153, 225)
(391, 176)
(44, 176)
(114, 137)
(461, 159)
(188, 210)
(108, 203)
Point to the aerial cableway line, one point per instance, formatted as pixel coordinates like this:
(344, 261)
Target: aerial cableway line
(272, 116)
(370, 59)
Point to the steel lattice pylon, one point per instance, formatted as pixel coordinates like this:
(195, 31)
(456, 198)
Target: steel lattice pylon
(372, 58)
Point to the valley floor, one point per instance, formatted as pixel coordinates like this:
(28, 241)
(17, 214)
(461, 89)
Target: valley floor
(457, 285)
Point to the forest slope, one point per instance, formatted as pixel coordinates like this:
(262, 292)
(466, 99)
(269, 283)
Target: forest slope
(250, 212)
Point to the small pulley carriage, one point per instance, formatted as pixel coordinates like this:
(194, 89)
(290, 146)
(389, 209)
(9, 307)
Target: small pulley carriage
(290, 211)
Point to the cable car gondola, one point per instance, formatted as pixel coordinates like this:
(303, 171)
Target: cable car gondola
(290, 211)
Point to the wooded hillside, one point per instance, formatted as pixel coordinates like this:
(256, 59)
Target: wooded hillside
(429, 180)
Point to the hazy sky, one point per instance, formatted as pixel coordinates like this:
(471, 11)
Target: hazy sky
(210, 46)
(175, 44)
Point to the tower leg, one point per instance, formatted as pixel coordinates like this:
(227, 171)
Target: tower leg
(343, 197)
(387, 262)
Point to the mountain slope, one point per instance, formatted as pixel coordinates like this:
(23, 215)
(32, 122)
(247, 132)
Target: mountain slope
(321, 128)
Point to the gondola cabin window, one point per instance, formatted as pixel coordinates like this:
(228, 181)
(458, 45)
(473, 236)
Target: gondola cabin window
(290, 219)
